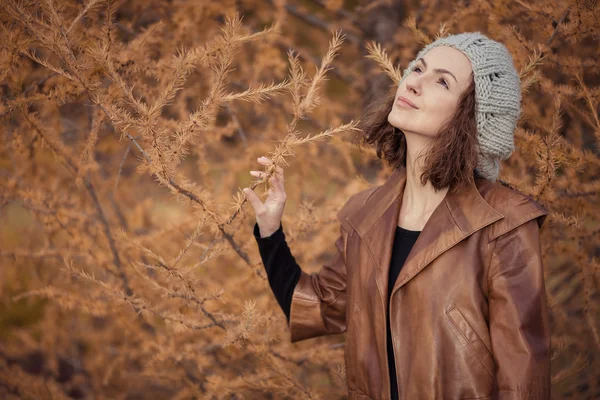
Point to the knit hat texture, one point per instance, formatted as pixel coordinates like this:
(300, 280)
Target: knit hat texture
(497, 94)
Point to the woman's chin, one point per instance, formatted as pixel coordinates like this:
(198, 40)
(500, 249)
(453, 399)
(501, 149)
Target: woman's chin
(397, 123)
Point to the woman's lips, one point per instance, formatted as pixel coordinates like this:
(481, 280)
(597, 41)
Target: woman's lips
(404, 102)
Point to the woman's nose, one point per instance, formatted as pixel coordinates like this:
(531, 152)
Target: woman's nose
(413, 85)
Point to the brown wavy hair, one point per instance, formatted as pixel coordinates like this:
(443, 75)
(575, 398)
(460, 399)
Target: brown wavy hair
(451, 158)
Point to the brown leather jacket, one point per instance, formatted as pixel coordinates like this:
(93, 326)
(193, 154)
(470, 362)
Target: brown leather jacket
(469, 317)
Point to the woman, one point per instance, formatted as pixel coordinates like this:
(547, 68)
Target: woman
(438, 277)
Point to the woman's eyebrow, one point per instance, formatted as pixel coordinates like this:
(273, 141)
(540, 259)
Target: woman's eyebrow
(439, 70)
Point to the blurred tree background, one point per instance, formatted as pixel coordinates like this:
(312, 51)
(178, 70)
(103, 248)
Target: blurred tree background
(128, 266)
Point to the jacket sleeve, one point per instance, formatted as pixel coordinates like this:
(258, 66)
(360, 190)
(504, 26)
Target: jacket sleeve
(282, 269)
(518, 316)
(319, 300)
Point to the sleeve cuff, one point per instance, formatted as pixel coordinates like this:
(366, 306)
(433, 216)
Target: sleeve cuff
(275, 237)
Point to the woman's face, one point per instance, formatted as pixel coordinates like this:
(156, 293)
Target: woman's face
(434, 93)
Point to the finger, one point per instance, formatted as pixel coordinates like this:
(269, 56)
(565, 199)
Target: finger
(253, 199)
(279, 172)
(277, 185)
(274, 174)
(259, 174)
(264, 160)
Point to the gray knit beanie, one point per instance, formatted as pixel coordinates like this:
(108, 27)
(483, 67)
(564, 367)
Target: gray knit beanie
(497, 94)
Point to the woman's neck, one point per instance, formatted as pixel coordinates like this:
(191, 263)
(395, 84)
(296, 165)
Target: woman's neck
(418, 201)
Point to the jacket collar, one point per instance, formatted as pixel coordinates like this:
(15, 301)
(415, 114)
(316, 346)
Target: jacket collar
(455, 218)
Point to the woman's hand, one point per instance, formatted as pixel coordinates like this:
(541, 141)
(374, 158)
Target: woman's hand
(268, 215)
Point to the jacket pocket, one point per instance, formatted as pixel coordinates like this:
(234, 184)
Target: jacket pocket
(472, 340)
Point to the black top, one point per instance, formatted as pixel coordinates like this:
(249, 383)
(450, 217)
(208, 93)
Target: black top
(403, 243)
(283, 274)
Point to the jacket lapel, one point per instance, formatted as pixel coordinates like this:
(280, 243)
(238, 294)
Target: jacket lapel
(458, 216)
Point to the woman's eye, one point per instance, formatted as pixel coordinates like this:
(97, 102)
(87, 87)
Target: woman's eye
(441, 79)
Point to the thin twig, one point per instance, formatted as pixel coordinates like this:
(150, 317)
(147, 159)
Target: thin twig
(557, 27)
(120, 168)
